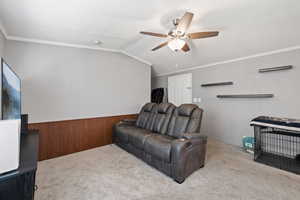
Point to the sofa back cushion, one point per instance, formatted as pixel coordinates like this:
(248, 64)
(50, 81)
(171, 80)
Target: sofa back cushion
(146, 116)
(162, 117)
(185, 119)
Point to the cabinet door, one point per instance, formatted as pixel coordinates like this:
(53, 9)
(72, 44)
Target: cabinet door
(28, 181)
(9, 189)
(18, 188)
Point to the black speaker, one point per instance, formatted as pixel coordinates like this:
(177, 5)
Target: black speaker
(24, 123)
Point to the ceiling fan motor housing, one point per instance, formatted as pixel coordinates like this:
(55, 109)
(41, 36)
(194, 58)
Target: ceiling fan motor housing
(176, 21)
(174, 32)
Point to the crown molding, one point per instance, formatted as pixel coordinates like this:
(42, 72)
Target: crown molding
(232, 60)
(22, 39)
(136, 58)
(30, 40)
(37, 41)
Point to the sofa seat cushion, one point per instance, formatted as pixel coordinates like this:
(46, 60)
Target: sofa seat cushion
(159, 146)
(137, 137)
(122, 132)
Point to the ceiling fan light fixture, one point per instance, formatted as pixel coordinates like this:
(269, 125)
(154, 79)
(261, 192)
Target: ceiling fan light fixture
(176, 44)
(178, 36)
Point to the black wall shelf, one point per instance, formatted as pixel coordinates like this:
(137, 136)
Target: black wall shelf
(247, 96)
(272, 69)
(217, 84)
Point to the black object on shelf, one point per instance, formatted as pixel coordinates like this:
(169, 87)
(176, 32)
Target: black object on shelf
(272, 69)
(217, 84)
(20, 184)
(246, 96)
(277, 142)
(298, 157)
(157, 95)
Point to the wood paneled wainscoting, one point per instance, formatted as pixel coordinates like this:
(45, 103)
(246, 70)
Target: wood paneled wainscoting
(69, 136)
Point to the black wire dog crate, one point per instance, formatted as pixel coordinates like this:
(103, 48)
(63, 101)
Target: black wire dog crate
(277, 142)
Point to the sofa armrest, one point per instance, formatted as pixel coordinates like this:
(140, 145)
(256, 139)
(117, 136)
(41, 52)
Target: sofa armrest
(195, 136)
(127, 122)
(188, 154)
(178, 147)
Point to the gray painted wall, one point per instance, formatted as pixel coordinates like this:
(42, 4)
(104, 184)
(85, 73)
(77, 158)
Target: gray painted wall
(228, 119)
(61, 83)
(158, 82)
(2, 44)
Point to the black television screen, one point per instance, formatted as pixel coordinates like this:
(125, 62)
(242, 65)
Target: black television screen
(11, 93)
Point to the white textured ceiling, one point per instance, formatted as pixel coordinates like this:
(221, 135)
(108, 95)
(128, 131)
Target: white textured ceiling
(246, 27)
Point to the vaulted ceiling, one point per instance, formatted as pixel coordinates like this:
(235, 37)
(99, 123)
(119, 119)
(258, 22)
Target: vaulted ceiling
(247, 27)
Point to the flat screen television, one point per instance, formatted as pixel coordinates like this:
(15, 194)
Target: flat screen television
(11, 93)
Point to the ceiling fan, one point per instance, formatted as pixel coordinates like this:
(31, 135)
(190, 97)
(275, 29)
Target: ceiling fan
(178, 36)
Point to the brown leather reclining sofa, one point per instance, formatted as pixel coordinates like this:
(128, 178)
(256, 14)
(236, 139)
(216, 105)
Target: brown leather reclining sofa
(166, 137)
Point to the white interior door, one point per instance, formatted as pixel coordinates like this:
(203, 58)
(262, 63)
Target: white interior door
(180, 89)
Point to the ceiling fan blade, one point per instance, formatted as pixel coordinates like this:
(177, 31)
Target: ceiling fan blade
(160, 46)
(154, 34)
(199, 35)
(185, 48)
(184, 23)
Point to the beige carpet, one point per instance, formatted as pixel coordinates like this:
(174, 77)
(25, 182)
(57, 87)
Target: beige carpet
(109, 173)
